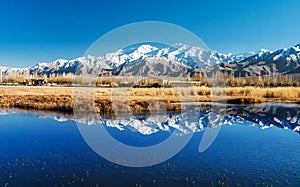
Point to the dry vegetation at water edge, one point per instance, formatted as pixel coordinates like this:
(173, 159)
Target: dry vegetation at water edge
(137, 99)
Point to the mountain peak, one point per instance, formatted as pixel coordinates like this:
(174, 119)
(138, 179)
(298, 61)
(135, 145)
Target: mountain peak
(142, 51)
(264, 50)
(297, 47)
(186, 56)
(182, 45)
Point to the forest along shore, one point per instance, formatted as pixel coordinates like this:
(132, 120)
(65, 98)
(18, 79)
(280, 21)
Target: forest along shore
(138, 100)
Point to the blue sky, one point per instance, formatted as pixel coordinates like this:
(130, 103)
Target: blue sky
(43, 30)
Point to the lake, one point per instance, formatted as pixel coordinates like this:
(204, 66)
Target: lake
(251, 145)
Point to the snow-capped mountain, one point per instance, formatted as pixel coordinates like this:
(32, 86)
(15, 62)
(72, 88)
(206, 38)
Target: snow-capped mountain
(13, 71)
(87, 64)
(161, 59)
(265, 62)
(3, 68)
(190, 56)
(154, 66)
(179, 55)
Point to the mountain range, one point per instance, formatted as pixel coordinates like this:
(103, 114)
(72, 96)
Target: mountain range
(156, 59)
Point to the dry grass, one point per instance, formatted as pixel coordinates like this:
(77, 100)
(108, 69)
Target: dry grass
(44, 98)
(256, 94)
(138, 99)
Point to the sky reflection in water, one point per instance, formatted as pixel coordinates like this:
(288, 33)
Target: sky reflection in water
(37, 150)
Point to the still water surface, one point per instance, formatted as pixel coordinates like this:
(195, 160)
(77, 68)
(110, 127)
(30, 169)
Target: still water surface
(257, 145)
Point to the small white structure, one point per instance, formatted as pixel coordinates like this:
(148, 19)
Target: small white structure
(105, 72)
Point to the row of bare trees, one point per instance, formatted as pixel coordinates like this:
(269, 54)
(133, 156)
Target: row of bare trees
(275, 80)
(218, 79)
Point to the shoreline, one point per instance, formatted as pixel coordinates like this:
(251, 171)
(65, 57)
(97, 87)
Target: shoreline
(112, 101)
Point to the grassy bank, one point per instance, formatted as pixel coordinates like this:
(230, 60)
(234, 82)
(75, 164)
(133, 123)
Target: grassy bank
(138, 99)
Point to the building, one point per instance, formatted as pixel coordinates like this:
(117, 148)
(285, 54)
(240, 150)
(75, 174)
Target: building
(37, 81)
(105, 72)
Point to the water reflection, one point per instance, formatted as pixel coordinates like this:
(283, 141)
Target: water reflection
(198, 118)
(37, 151)
(281, 115)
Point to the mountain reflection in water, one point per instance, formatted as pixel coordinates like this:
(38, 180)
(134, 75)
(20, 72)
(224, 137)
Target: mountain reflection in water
(195, 118)
(46, 148)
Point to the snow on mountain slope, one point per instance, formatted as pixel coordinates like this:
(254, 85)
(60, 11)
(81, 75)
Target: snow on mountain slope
(130, 54)
(265, 62)
(190, 57)
(3, 68)
(292, 53)
(13, 71)
(79, 65)
(154, 66)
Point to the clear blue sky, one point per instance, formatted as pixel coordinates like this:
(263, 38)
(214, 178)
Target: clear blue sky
(44, 30)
